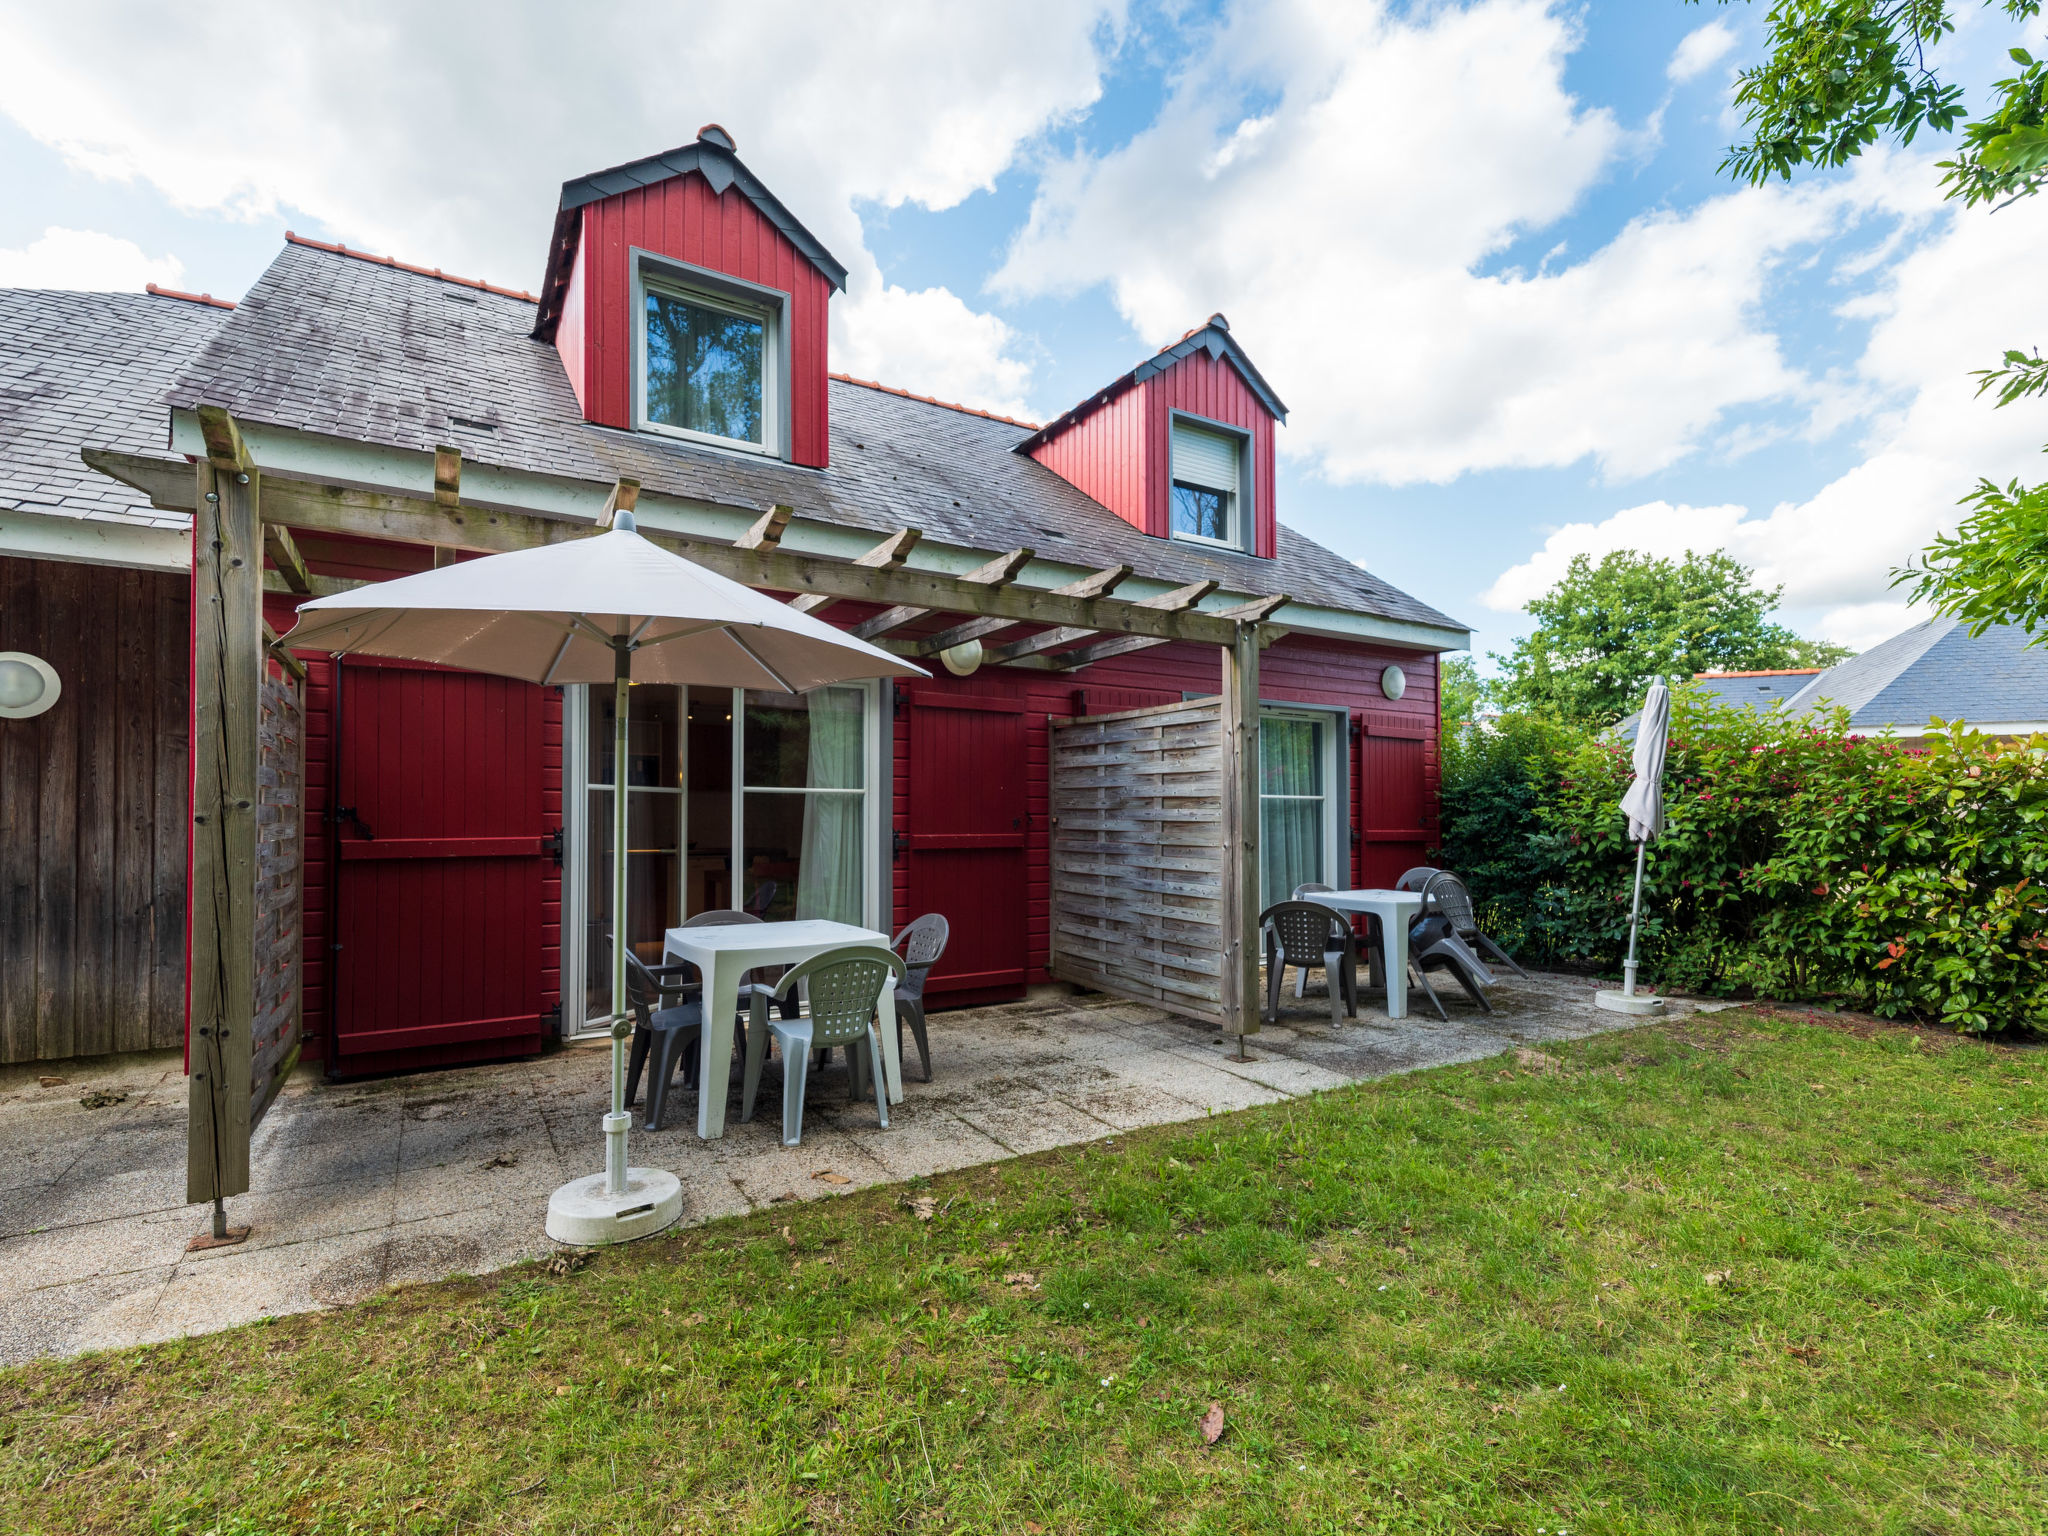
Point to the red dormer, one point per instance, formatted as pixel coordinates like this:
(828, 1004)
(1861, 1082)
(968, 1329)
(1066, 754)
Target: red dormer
(686, 301)
(1180, 447)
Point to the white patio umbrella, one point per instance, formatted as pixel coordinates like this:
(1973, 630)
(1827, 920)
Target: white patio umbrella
(1643, 804)
(609, 608)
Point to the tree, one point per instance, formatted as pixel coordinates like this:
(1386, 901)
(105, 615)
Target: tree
(1842, 75)
(1604, 631)
(1460, 692)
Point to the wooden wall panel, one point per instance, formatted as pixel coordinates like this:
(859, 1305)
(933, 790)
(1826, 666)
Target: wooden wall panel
(1106, 455)
(1138, 856)
(93, 814)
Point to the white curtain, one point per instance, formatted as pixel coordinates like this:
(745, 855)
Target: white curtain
(828, 882)
(1291, 803)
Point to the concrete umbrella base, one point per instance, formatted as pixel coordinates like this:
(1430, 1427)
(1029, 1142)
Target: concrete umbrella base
(581, 1212)
(1613, 1001)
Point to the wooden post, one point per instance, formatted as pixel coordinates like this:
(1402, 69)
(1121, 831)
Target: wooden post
(227, 676)
(1241, 999)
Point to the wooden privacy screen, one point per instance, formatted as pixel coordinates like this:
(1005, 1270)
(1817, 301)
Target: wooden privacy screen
(280, 880)
(1138, 855)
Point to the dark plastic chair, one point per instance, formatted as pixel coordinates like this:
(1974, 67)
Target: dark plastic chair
(1434, 945)
(1416, 878)
(1302, 892)
(1302, 934)
(845, 987)
(920, 944)
(1446, 893)
(663, 1037)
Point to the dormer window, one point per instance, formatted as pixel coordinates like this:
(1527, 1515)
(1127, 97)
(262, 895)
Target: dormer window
(711, 361)
(1208, 471)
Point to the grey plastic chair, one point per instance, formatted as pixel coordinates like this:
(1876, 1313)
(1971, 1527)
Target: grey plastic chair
(1446, 893)
(1416, 878)
(1301, 893)
(845, 987)
(921, 944)
(1302, 934)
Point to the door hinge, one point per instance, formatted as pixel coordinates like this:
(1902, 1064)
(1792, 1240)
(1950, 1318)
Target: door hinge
(901, 697)
(348, 813)
(552, 845)
(901, 843)
(551, 1022)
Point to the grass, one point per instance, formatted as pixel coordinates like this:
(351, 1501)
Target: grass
(1746, 1273)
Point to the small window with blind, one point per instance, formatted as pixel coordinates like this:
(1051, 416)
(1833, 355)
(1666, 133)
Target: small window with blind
(1207, 506)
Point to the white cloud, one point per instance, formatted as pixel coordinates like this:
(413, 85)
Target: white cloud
(1346, 226)
(442, 133)
(1948, 307)
(1699, 51)
(85, 259)
(933, 338)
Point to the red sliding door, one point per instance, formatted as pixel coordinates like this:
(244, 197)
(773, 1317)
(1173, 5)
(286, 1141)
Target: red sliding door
(441, 848)
(965, 838)
(1393, 803)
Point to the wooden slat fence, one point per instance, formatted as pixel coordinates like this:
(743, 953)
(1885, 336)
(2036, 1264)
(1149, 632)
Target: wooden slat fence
(1138, 856)
(280, 887)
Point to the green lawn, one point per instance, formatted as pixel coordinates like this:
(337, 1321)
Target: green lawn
(1745, 1273)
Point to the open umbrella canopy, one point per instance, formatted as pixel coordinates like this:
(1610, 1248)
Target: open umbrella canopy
(555, 614)
(1643, 803)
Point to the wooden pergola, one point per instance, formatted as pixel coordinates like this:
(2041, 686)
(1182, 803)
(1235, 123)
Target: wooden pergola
(244, 514)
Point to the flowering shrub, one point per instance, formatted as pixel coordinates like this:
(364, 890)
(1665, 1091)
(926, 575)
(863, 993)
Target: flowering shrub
(1797, 861)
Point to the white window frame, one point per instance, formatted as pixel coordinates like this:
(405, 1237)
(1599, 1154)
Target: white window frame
(1336, 796)
(714, 290)
(877, 890)
(1240, 516)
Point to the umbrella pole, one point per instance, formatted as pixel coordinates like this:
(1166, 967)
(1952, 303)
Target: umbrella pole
(618, 1122)
(1635, 917)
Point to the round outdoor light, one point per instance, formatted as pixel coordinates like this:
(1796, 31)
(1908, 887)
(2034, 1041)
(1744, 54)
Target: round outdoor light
(962, 660)
(28, 685)
(1393, 682)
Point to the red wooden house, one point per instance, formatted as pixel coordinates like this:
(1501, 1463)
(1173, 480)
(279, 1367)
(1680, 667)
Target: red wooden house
(677, 354)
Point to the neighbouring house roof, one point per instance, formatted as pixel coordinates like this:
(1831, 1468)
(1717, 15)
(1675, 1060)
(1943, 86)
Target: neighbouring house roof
(712, 158)
(333, 344)
(1759, 690)
(1212, 337)
(1937, 669)
(79, 369)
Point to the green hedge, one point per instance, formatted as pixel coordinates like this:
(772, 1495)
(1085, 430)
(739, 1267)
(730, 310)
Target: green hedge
(1798, 861)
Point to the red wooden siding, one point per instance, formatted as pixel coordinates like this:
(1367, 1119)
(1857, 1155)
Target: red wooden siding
(1297, 670)
(1121, 453)
(684, 219)
(569, 335)
(1107, 455)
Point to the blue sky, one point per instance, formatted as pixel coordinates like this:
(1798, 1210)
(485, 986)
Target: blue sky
(1482, 249)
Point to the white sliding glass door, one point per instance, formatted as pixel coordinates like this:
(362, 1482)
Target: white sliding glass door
(761, 801)
(1300, 802)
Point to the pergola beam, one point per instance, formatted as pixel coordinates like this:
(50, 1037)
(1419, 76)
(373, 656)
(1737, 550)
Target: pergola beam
(767, 530)
(1095, 584)
(888, 555)
(999, 572)
(284, 555)
(1179, 600)
(624, 497)
(322, 507)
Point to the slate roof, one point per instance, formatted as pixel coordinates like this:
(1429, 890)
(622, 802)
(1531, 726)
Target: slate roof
(79, 369)
(331, 344)
(1760, 690)
(1937, 669)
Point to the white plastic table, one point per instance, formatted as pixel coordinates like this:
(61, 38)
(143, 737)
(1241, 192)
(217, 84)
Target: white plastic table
(724, 954)
(1393, 909)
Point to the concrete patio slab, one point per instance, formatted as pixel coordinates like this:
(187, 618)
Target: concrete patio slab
(358, 1186)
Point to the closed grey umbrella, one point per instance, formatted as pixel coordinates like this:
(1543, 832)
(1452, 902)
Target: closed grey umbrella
(1643, 804)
